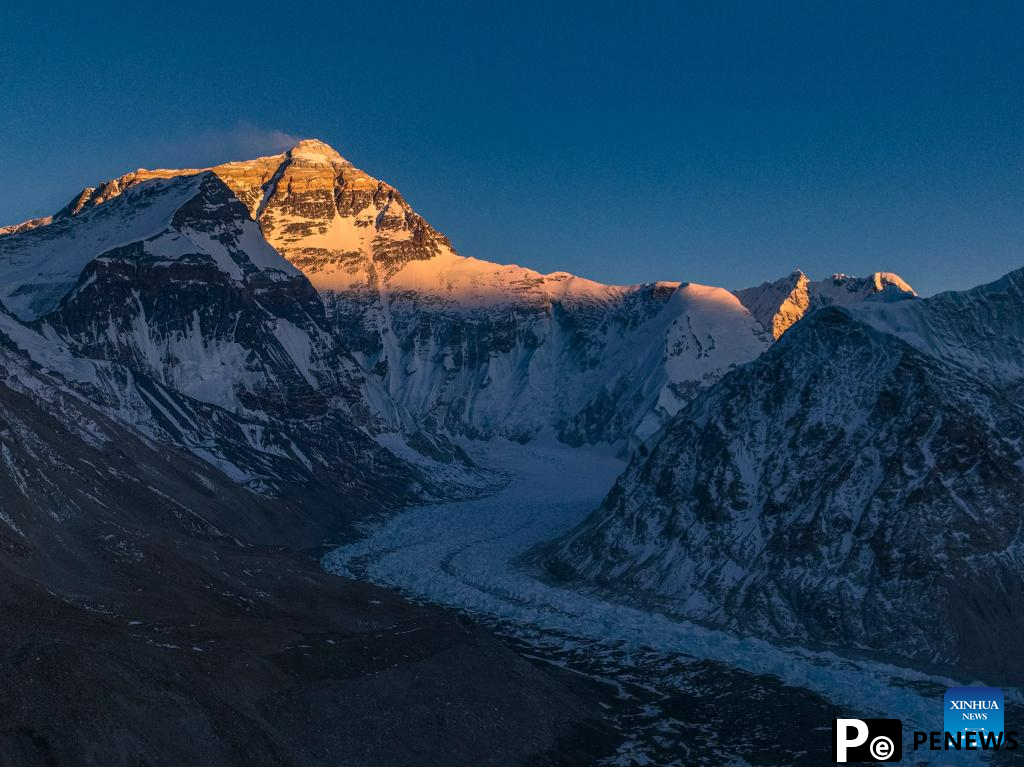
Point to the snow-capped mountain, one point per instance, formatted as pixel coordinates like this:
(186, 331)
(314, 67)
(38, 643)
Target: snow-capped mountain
(481, 349)
(180, 425)
(860, 484)
(172, 280)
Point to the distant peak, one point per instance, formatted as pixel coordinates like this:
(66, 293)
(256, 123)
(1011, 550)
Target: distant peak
(885, 280)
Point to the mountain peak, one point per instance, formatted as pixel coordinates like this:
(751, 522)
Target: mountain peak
(314, 150)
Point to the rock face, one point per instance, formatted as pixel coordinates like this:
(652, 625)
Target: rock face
(847, 487)
(481, 349)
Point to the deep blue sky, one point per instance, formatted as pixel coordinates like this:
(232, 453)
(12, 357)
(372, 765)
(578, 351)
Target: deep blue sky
(713, 142)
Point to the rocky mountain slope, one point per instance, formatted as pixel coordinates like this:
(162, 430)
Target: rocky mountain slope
(860, 485)
(331, 485)
(481, 349)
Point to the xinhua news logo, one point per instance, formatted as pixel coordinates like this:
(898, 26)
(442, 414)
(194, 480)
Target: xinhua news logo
(974, 714)
(867, 740)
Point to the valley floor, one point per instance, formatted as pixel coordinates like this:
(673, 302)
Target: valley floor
(679, 694)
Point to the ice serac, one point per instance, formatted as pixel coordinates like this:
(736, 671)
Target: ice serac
(861, 484)
(780, 304)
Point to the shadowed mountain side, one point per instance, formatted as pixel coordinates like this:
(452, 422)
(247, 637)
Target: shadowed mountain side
(845, 488)
(142, 627)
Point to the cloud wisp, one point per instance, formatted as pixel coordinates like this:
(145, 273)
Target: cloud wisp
(215, 145)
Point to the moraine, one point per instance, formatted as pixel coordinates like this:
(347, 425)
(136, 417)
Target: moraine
(674, 690)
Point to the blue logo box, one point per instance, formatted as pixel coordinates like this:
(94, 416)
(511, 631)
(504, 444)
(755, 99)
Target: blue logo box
(974, 709)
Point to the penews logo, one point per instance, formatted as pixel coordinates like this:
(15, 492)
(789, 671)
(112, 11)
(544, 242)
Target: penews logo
(972, 721)
(867, 740)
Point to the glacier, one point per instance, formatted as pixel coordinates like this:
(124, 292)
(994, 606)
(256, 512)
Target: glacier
(473, 556)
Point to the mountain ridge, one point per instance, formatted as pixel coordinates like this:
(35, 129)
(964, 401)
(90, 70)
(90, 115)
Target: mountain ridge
(473, 348)
(481, 349)
(267, 171)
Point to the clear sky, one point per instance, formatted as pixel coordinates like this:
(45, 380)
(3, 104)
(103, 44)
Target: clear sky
(718, 142)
